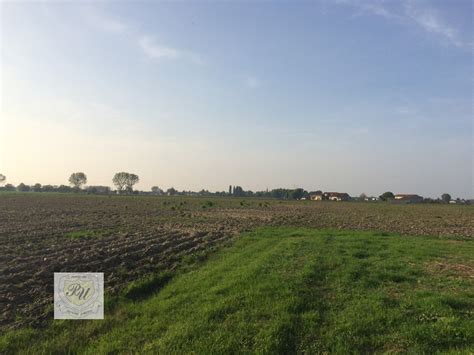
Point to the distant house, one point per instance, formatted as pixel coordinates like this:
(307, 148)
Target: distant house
(409, 198)
(336, 196)
(371, 198)
(316, 196)
(330, 196)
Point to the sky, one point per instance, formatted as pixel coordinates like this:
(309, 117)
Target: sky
(338, 95)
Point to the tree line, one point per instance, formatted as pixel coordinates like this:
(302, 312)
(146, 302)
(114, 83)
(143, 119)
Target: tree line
(124, 183)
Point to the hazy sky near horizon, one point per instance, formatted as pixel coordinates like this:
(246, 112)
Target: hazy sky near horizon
(338, 95)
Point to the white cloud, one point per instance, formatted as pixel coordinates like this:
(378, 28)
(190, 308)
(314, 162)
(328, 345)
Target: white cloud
(99, 19)
(106, 23)
(157, 51)
(112, 25)
(406, 111)
(409, 11)
(195, 58)
(252, 82)
(374, 7)
(430, 21)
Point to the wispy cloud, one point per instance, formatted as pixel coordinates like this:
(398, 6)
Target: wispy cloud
(157, 51)
(406, 12)
(374, 7)
(430, 21)
(104, 22)
(406, 110)
(252, 82)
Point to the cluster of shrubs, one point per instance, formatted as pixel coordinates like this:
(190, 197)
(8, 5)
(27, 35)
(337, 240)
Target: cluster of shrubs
(61, 188)
(207, 204)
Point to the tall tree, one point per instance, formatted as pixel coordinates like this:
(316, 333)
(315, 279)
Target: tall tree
(171, 191)
(446, 197)
(2, 179)
(120, 181)
(9, 187)
(387, 196)
(297, 194)
(239, 191)
(78, 179)
(278, 193)
(23, 188)
(156, 190)
(132, 179)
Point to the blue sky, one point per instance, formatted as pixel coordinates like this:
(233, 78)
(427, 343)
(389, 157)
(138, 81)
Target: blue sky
(343, 95)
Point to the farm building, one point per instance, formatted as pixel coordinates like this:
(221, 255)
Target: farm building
(336, 196)
(371, 198)
(331, 196)
(408, 198)
(316, 196)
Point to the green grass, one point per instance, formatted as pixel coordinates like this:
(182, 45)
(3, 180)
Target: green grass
(285, 291)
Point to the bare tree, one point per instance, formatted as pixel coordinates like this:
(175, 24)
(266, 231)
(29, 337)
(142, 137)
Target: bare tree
(132, 180)
(78, 179)
(156, 190)
(120, 180)
(125, 181)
